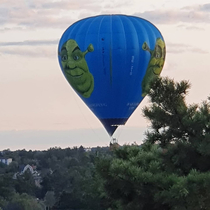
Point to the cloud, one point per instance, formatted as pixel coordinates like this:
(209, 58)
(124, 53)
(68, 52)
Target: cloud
(205, 7)
(4, 15)
(45, 139)
(199, 8)
(69, 5)
(191, 27)
(182, 48)
(34, 52)
(44, 13)
(194, 14)
(30, 48)
(6, 29)
(30, 43)
(61, 14)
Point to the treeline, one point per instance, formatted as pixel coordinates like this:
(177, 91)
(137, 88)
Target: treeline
(68, 179)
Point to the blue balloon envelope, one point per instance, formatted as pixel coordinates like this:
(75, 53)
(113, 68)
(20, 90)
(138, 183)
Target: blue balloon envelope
(110, 61)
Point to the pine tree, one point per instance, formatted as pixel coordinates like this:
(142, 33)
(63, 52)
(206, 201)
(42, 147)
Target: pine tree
(180, 129)
(171, 170)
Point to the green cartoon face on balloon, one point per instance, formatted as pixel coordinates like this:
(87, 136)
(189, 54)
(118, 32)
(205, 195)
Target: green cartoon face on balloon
(155, 65)
(75, 67)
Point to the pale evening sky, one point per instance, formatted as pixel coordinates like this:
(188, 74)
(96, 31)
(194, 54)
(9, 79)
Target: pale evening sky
(38, 108)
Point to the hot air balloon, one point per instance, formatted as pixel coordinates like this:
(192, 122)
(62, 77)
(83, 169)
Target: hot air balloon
(110, 61)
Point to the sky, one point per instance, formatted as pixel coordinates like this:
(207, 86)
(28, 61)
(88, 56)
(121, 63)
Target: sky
(38, 108)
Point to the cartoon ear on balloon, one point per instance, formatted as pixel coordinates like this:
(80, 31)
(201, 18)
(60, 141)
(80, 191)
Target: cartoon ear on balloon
(146, 47)
(89, 49)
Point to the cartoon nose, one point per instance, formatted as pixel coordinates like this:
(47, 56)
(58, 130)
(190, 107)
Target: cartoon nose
(71, 64)
(160, 62)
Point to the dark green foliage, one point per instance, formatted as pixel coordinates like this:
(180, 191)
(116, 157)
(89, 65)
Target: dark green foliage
(25, 184)
(23, 202)
(68, 174)
(182, 130)
(168, 114)
(129, 178)
(141, 180)
(171, 170)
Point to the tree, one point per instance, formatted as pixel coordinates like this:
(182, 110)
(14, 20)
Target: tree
(23, 202)
(170, 170)
(180, 129)
(6, 188)
(49, 199)
(25, 183)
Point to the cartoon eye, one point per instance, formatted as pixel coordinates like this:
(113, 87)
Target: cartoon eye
(76, 57)
(157, 55)
(64, 58)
